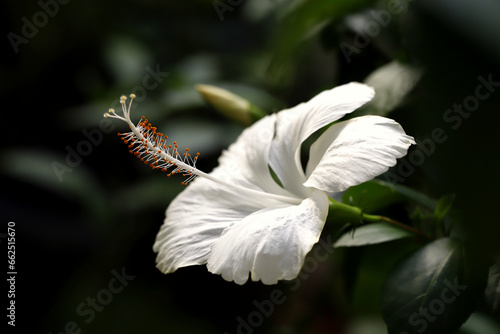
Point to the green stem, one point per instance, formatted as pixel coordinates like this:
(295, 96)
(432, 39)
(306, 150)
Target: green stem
(348, 214)
(406, 227)
(343, 213)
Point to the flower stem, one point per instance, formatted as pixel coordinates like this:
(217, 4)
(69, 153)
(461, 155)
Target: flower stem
(404, 226)
(348, 214)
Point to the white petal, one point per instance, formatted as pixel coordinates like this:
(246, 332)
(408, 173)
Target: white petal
(355, 151)
(270, 244)
(296, 124)
(195, 219)
(246, 162)
(190, 228)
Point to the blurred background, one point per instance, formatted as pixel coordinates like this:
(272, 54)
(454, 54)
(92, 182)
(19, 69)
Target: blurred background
(87, 212)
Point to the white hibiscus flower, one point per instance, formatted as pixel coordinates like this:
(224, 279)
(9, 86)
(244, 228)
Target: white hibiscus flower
(237, 219)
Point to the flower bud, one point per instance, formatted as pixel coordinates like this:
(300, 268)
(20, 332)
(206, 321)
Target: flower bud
(231, 105)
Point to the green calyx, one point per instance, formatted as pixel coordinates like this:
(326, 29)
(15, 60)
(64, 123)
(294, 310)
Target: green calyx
(348, 214)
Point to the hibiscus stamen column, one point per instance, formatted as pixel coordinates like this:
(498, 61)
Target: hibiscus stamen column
(149, 145)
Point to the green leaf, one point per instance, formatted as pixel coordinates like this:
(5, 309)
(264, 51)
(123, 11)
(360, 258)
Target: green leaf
(374, 195)
(366, 324)
(480, 324)
(410, 194)
(492, 292)
(371, 196)
(302, 21)
(434, 290)
(417, 215)
(372, 264)
(443, 206)
(372, 234)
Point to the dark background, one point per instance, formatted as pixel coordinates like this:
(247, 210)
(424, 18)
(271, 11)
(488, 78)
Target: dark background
(73, 232)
